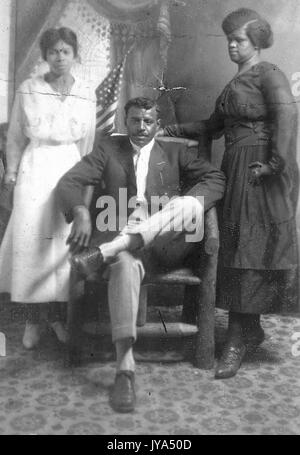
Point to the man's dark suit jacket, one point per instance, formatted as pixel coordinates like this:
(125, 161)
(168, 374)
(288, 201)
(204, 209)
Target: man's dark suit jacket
(173, 170)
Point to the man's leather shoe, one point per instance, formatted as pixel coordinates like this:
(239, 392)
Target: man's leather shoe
(87, 262)
(230, 360)
(123, 396)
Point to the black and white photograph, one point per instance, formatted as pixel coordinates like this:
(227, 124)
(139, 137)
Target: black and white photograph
(149, 220)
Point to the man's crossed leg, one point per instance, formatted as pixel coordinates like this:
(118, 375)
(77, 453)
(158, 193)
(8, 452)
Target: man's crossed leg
(170, 235)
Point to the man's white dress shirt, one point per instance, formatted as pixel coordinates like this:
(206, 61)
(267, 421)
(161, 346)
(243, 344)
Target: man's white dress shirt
(141, 166)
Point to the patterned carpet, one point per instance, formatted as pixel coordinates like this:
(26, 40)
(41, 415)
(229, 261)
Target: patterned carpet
(38, 395)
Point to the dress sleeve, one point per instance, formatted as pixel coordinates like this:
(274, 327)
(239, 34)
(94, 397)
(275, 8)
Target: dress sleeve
(192, 130)
(85, 145)
(283, 115)
(16, 139)
(211, 128)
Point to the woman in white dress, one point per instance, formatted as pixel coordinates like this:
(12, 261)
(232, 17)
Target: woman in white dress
(52, 126)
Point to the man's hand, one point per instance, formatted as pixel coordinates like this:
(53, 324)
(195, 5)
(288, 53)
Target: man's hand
(81, 229)
(258, 170)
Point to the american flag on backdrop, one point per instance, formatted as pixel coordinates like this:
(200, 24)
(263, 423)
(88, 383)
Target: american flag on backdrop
(164, 28)
(163, 23)
(107, 97)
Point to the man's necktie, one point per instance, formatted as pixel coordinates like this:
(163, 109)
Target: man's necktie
(136, 161)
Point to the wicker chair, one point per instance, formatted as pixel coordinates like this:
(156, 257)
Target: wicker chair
(198, 276)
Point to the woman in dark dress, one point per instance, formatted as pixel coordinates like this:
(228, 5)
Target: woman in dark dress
(257, 114)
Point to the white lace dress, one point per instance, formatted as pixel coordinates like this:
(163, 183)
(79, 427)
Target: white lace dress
(46, 138)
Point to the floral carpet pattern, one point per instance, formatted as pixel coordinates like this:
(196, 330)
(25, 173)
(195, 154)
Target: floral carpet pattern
(39, 396)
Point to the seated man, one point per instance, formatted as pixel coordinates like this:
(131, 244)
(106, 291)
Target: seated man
(167, 189)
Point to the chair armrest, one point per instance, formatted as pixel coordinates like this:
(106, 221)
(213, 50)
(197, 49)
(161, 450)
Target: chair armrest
(211, 232)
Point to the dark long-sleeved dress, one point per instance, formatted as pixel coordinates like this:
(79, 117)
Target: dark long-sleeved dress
(257, 114)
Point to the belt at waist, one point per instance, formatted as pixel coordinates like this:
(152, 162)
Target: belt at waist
(48, 143)
(246, 133)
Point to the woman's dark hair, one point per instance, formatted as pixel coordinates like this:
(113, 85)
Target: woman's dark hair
(260, 33)
(51, 36)
(258, 29)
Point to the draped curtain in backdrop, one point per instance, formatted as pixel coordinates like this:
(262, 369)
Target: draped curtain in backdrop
(146, 25)
(106, 29)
